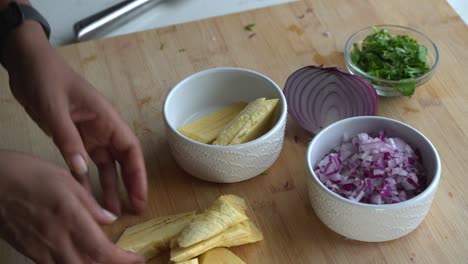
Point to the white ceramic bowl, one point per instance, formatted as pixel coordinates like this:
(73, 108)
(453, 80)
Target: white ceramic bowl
(211, 89)
(368, 222)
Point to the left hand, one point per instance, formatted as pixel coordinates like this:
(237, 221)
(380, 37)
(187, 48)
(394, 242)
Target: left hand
(79, 120)
(47, 216)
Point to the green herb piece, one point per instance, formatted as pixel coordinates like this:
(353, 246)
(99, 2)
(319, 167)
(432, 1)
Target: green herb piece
(389, 57)
(264, 173)
(249, 27)
(406, 87)
(181, 50)
(163, 45)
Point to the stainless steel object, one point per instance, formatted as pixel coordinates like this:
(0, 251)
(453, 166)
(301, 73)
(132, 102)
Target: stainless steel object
(99, 21)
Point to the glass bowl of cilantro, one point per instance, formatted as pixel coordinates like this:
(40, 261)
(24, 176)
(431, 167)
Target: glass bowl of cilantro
(394, 59)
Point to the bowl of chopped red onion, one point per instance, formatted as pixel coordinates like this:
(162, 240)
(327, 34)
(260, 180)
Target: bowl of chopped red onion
(372, 178)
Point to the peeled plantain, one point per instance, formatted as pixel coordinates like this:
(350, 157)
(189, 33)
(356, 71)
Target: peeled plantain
(251, 123)
(149, 238)
(225, 212)
(223, 224)
(192, 261)
(242, 233)
(207, 128)
(219, 256)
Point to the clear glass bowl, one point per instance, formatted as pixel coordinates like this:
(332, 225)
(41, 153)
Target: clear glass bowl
(385, 87)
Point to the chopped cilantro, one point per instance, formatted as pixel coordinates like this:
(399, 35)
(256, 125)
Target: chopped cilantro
(393, 58)
(163, 45)
(264, 173)
(249, 27)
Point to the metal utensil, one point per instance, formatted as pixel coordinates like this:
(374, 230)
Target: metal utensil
(97, 22)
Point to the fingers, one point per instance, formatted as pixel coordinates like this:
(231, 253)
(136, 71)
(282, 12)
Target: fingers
(99, 214)
(122, 146)
(128, 152)
(33, 249)
(89, 238)
(68, 140)
(67, 253)
(108, 177)
(42, 257)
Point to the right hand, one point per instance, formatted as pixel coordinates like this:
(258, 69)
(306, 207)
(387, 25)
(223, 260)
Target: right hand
(49, 217)
(81, 122)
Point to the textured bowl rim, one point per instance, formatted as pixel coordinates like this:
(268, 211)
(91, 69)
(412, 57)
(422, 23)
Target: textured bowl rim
(373, 78)
(277, 126)
(429, 189)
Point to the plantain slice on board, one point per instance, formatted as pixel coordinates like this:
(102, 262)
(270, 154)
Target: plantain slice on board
(219, 256)
(250, 123)
(149, 238)
(235, 201)
(255, 235)
(207, 128)
(239, 234)
(226, 211)
(191, 261)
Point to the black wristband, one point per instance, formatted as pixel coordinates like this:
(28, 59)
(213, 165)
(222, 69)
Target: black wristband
(15, 15)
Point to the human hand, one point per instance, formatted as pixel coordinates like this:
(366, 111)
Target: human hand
(46, 215)
(79, 120)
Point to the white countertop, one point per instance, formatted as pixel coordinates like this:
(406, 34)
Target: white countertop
(63, 14)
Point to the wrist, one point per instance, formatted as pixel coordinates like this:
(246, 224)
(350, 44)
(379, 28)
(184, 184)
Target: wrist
(23, 40)
(4, 3)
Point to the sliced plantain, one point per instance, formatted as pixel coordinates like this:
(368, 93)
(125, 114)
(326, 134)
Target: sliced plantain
(255, 235)
(192, 261)
(259, 124)
(219, 256)
(225, 212)
(254, 121)
(207, 128)
(235, 233)
(235, 201)
(149, 238)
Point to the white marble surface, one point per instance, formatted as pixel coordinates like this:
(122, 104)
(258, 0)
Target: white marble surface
(461, 7)
(63, 14)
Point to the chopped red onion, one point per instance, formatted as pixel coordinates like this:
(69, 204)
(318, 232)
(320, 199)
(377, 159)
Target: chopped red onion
(372, 169)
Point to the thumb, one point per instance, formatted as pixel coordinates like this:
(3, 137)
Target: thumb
(67, 138)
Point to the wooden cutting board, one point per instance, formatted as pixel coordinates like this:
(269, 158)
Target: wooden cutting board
(135, 74)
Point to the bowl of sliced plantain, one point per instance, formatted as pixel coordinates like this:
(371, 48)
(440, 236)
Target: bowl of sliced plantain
(225, 124)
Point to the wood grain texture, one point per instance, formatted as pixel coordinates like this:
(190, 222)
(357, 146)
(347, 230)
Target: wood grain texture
(135, 75)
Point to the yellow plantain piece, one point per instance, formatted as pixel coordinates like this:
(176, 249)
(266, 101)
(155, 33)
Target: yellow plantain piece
(207, 128)
(251, 123)
(255, 235)
(192, 261)
(259, 124)
(243, 233)
(220, 256)
(235, 201)
(150, 237)
(235, 233)
(225, 212)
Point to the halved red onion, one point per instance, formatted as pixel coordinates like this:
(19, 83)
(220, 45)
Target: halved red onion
(318, 96)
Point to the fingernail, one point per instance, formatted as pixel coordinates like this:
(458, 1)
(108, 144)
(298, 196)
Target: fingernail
(78, 165)
(109, 216)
